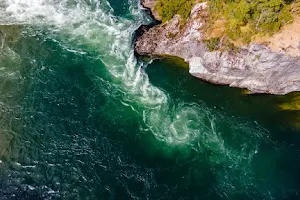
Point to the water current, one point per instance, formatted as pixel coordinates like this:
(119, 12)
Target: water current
(82, 118)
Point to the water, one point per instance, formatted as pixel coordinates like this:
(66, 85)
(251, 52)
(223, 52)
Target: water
(81, 118)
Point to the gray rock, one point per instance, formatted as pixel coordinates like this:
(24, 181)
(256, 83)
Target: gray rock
(150, 4)
(254, 67)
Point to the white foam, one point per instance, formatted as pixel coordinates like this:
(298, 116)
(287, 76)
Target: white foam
(191, 125)
(111, 36)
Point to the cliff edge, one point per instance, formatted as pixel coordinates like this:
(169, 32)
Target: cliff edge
(255, 67)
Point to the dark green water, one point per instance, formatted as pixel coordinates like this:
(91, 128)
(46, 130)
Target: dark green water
(81, 119)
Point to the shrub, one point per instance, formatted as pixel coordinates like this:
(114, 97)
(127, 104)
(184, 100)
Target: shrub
(168, 8)
(212, 44)
(171, 35)
(260, 16)
(243, 18)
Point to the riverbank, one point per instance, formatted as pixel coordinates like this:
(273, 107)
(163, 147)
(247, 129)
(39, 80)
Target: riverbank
(80, 118)
(254, 67)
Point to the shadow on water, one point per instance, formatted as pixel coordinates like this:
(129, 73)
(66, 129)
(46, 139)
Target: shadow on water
(279, 114)
(76, 140)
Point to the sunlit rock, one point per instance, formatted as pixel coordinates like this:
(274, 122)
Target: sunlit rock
(254, 67)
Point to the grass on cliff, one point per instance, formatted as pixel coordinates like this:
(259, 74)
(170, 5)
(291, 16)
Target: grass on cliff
(242, 18)
(168, 8)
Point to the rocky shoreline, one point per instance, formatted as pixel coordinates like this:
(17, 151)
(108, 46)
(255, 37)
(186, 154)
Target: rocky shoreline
(254, 67)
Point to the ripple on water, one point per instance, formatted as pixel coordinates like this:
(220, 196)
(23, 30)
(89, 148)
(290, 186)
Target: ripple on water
(87, 110)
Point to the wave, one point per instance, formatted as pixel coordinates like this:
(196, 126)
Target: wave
(93, 24)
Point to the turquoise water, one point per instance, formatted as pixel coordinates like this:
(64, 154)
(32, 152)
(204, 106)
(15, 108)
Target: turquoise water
(82, 118)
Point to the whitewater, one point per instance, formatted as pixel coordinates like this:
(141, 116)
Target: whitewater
(83, 26)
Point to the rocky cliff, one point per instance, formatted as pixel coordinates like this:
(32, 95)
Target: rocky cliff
(255, 67)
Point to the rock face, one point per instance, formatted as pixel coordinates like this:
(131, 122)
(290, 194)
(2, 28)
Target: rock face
(150, 4)
(254, 67)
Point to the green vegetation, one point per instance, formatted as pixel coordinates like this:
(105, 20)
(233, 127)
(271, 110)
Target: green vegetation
(245, 18)
(242, 19)
(171, 35)
(168, 8)
(212, 44)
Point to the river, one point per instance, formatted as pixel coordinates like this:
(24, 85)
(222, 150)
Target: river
(82, 118)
